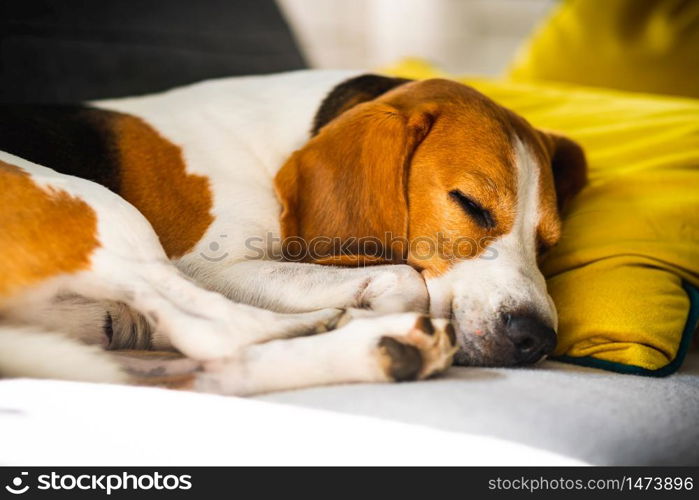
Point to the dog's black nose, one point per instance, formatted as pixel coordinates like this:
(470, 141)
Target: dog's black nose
(531, 337)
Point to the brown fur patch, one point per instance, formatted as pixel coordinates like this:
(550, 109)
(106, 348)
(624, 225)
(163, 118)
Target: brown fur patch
(43, 233)
(154, 180)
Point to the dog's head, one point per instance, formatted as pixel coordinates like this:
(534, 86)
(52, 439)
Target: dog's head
(434, 174)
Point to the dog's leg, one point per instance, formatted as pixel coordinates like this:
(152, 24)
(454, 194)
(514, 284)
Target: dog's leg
(385, 349)
(85, 240)
(203, 325)
(296, 287)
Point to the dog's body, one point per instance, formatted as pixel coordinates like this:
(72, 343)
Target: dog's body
(188, 180)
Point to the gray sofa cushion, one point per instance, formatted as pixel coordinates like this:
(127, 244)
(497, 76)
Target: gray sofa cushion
(76, 50)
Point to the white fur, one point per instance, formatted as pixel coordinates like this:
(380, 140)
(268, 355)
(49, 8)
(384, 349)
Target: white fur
(27, 351)
(82, 317)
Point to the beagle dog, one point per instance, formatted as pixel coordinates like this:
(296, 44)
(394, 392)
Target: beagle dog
(207, 220)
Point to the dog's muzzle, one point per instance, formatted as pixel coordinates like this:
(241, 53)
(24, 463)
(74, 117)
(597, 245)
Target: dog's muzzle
(511, 339)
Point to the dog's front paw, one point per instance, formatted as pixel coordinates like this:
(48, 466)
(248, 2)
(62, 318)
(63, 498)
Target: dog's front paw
(426, 349)
(389, 348)
(394, 289)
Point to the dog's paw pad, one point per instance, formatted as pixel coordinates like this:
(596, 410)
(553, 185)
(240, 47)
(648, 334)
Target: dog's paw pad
(426, 349)
(401, 361)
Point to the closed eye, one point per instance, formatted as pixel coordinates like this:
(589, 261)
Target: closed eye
(473, 209)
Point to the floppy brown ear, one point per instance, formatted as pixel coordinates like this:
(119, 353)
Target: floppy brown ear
(344, 194)
(568, 165)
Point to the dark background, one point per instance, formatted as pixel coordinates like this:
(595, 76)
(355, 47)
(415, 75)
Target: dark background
(76, 50)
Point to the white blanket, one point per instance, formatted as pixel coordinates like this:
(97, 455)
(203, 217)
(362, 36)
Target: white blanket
(554, 414)
(591, 415)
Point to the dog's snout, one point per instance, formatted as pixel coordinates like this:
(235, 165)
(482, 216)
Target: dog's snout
(531, 337)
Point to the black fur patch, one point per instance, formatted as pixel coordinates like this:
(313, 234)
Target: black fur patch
(406, 360)
(109, 328)
(451, 333)
(425, 324)
(71, 139)
(350, 93)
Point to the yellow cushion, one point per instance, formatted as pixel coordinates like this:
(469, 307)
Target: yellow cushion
(648, 46)
(631, 238)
